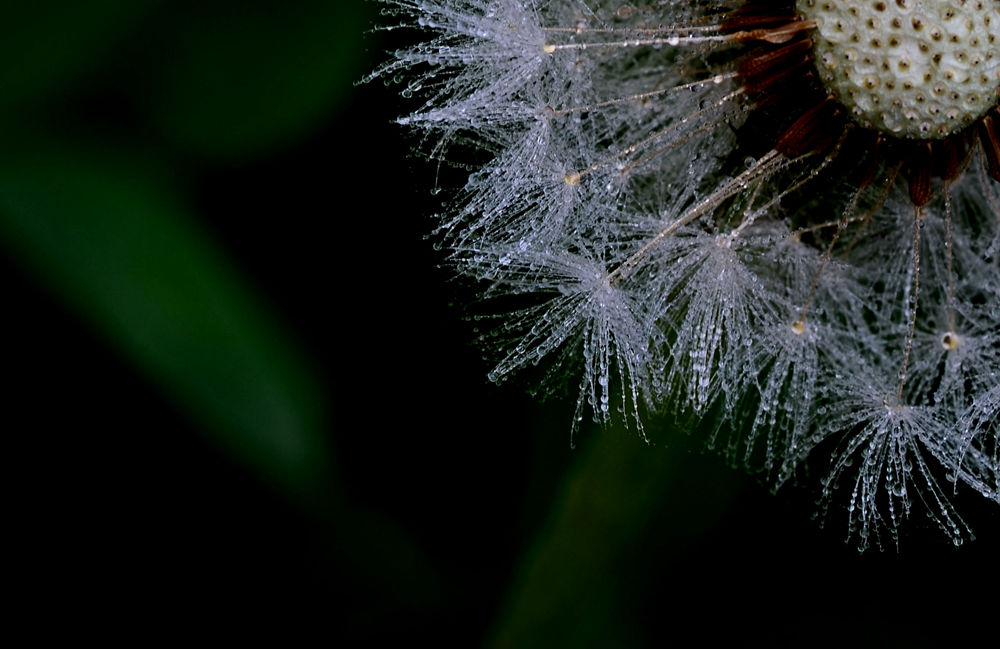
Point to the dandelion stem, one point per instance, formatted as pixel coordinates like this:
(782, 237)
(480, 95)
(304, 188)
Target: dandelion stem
(948, 258)
(719, 78)
(676, 37)
(918, 215)
(630, 30)
(639, 42)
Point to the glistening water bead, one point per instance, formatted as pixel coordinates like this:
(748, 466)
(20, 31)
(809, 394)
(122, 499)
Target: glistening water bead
(918, 69)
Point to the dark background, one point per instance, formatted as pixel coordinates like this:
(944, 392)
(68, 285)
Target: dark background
(435, 506)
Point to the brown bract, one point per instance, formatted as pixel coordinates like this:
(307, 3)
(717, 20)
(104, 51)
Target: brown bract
(780, 74)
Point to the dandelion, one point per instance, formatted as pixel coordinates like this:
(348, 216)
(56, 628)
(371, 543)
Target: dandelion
(781, 215)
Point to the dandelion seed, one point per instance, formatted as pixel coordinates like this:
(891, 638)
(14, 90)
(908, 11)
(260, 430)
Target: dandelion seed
(783, 213)
(886, 459)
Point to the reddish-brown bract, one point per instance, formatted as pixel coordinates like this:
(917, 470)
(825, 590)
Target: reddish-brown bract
(778, 74)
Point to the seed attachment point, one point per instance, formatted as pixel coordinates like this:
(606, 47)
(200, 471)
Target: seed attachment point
(950, 341)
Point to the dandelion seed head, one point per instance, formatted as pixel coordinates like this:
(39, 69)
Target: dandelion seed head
(782, 215)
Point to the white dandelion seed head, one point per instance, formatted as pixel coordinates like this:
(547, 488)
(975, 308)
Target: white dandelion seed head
(666, 209)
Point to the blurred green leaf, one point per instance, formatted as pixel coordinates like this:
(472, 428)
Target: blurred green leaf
(576, 581)
(44, 46)
(239, 78)
(115, 246)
